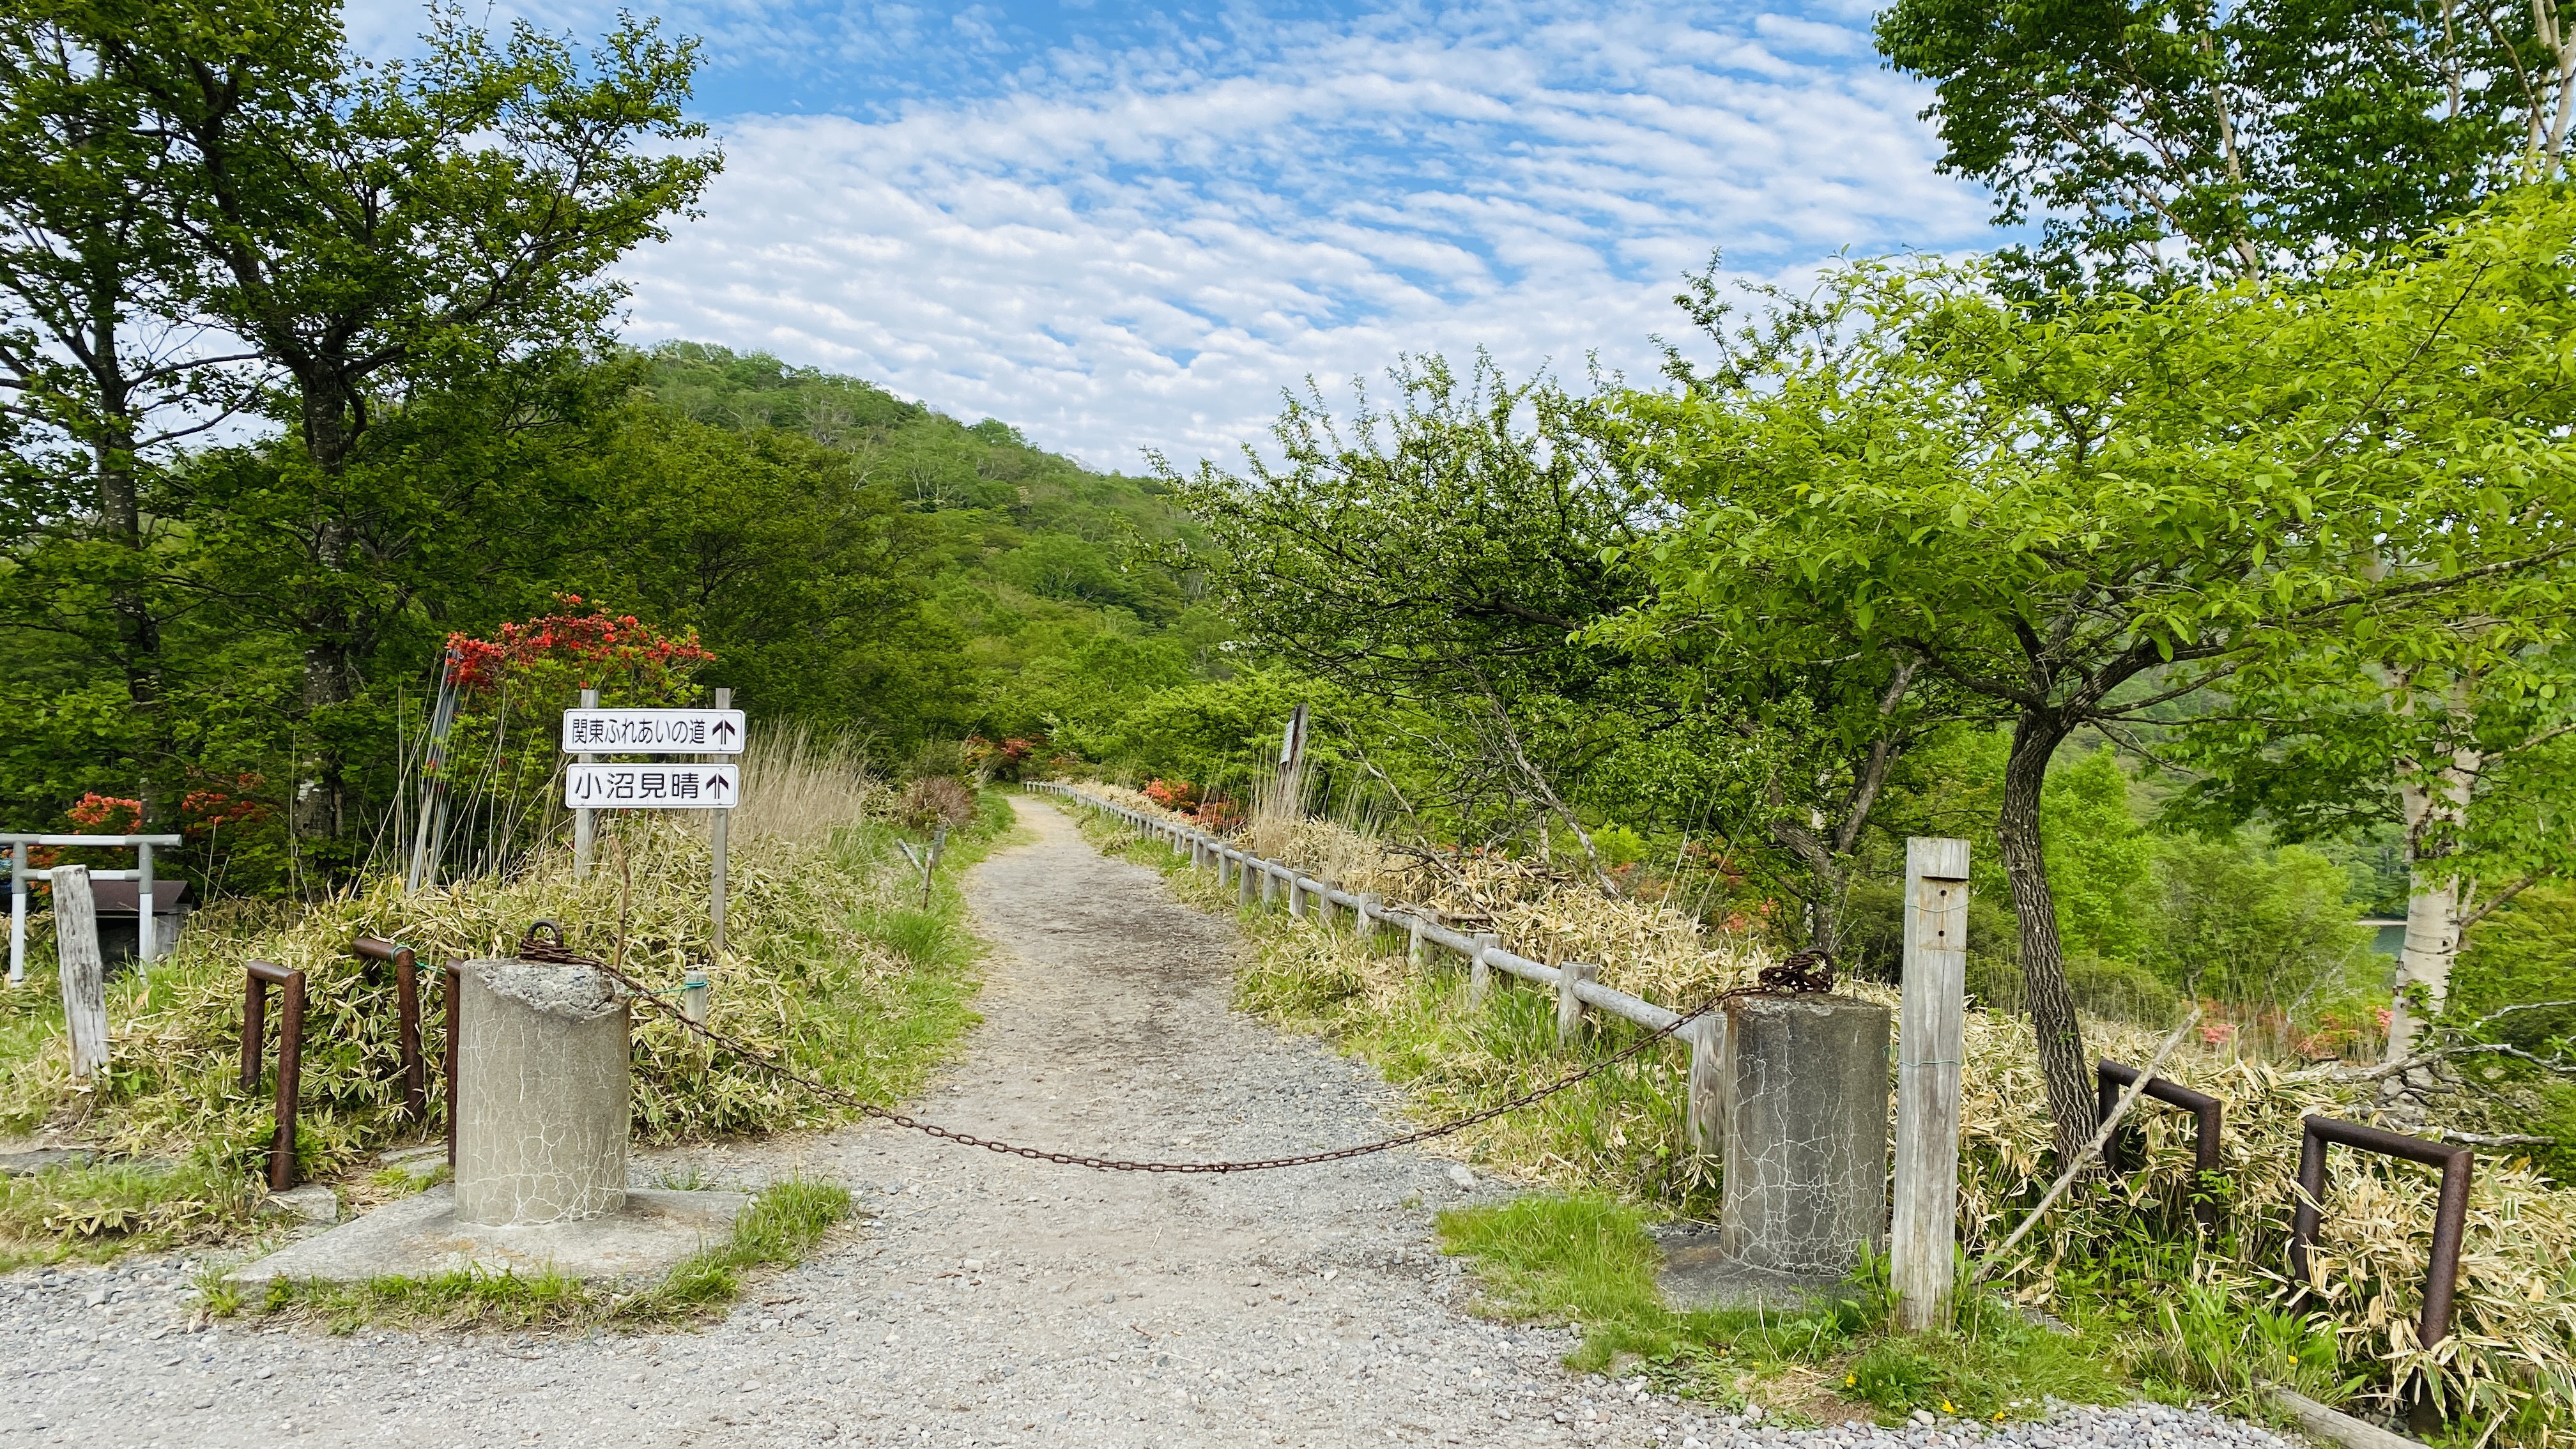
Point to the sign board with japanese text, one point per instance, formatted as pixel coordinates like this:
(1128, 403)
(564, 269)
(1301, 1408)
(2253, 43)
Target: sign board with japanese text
(653, 731)
(651, 787)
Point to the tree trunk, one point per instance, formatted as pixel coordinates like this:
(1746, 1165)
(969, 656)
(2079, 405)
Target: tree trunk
(120, 522)
(2063, 1068)
(2436, 809)
(318, 811)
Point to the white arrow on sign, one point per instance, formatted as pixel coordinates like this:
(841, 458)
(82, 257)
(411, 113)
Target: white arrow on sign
(651, 787)
(653, 731)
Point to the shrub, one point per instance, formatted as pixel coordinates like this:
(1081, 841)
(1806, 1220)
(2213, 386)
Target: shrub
(937, 800)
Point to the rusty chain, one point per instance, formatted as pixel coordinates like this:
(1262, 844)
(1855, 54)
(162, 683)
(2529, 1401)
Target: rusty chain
(534, 949)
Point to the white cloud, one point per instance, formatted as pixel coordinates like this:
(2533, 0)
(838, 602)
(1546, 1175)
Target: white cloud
(1118, 249)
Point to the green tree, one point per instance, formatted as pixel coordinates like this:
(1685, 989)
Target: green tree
(2080, 514)
(94, 275)
(2152, 140)
(377, 230)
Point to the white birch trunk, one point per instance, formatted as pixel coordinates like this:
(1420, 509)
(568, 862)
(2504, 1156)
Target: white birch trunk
(2436, 810)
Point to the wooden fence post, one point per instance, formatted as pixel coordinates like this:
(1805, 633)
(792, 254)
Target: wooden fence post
(1569, 1007)
(1413, 938)
(1243, 885)
(1296, 895)
(84, 977)
(1706, 1108)
(1931, 1016)
(1480, 975)
(1370, 905)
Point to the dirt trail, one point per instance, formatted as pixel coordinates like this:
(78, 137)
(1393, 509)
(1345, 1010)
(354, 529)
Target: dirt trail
(988, 1299)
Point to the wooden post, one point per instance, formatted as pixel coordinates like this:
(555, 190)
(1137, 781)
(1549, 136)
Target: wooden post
(716, 830)
(1369, 919)
(1296, 896)
(585, 827)
(1413, 939)
(1480, 973)
(1569, 1007)
(1931, 1024)
(84, 978)
(1705, 1105)
(1243, 886)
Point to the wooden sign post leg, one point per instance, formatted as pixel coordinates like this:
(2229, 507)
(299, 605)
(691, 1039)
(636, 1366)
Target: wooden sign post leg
(584, 822)
(716, 886)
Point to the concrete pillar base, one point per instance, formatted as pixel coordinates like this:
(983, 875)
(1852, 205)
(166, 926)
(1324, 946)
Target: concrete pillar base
(1802, 1086)
(541, 1068)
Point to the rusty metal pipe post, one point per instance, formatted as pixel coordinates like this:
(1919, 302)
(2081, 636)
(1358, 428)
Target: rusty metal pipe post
(2208, 1116)
(453, 992)
(290, 1058)
(2450, 1215)
(415, 1071)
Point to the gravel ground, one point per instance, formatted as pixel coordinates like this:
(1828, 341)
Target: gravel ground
(986, 1300)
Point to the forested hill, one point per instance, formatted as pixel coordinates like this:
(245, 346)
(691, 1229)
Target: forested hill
(858, 564)
(1042, 605)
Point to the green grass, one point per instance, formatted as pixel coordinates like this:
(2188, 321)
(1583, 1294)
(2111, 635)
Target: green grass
(105, 1210)
(780, 1226)
(1588, 1259)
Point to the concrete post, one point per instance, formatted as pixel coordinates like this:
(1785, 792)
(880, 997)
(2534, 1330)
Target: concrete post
(1480, 973)
(1296, 896)
(542, 1053)
(1569, 1007)
(1413, 940)
(1933, 1016)
(1269, 884)
(1804, 1085)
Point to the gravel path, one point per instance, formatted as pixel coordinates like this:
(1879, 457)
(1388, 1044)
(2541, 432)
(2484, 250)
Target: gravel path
(988, 1300)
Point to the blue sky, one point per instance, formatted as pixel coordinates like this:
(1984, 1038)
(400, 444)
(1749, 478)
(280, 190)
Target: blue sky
(1122, 227)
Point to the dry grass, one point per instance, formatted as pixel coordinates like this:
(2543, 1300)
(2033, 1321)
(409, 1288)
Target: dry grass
(830, 964)
(797, 786)
(2507, 1372)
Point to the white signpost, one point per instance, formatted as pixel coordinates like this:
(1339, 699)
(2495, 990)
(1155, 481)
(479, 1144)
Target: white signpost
(589, 732)
(652, 787)
(653, 731)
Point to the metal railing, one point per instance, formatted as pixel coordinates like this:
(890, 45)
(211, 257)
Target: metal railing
(258, 976)
(1483, 952)
(2450, 1212)
(415, 1071)
(2208, 1117)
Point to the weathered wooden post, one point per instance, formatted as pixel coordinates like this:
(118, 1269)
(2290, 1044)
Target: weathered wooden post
(84, 976)
(1413, 938)
(1569, 1007)
(1931, 1025)
(1480, 972)
(1296, 895)
(1244, 887)
(1269, 884)
(716, 832)
(1704, 1103)
(1370, 919)
(585, 826)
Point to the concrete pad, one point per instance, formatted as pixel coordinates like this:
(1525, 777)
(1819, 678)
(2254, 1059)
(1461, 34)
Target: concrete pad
(1697, 1273)
(419, 1236)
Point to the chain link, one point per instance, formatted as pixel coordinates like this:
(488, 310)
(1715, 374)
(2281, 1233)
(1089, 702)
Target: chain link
(533, 949)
